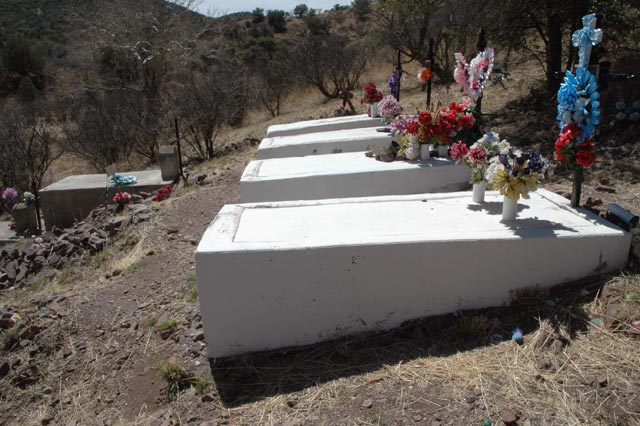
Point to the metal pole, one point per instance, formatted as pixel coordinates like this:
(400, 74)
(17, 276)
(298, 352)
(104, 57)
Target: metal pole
(175, 119)
(398, 74)
(430, 67)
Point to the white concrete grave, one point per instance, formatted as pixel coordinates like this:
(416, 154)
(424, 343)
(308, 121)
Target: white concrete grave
(323, 143)
(323, 125)
(273, 275)
(345, 175)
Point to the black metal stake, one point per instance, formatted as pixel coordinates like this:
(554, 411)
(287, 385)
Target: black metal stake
(429, 67)
(398, 74)
(576, 192)
(175, 118)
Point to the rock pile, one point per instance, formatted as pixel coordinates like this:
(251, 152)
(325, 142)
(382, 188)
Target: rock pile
(55, 249)
(60, 246)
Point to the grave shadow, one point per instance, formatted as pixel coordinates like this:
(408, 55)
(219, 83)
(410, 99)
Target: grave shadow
(525, 226)
(248, 378)
(493, 207)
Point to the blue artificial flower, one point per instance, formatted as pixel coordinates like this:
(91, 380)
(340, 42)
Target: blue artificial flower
(517, 336)
(578, 100)
(394, 85)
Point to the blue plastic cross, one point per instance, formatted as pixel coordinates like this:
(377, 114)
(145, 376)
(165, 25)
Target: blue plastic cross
(586, 37)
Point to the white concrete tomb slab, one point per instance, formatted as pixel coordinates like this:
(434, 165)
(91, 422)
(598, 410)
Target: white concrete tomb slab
(346, 175)
(323, 125)
(323, 143)
(273, 275)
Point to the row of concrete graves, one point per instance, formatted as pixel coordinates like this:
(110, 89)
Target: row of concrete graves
(73, 198)
(282, 271)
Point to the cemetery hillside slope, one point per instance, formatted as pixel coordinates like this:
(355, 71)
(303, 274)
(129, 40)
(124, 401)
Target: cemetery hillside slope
(100, 323)
(115, 337)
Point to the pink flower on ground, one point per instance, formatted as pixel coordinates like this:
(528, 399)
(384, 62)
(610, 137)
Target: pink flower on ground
(477, 155)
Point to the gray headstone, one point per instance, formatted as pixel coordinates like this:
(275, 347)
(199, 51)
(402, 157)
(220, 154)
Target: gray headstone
(169, 166)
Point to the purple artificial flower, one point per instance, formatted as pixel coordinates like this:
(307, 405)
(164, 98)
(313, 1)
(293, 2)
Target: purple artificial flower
(9, 194)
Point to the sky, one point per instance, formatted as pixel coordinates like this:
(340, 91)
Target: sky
(223, 7)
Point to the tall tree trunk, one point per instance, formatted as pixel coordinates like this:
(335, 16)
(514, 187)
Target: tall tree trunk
(554, 51)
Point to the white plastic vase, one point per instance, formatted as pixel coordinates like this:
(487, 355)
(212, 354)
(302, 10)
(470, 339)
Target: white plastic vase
(509, 209)
(478, 191)
(425, 154)
(374, 110)
(413, 150)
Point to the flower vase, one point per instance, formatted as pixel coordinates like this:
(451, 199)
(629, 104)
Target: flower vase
(509, 209)
(425, 154)
(374, 110)
(578, 178)
(443, 151)
(413, 149)
(478, 191)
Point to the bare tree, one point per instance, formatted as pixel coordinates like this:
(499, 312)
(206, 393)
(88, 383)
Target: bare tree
(101, 134)
(209, 99)
(330, 63)
(28, 147)
(158, 37)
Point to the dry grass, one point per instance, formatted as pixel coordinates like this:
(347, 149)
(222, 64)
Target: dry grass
(131, 256)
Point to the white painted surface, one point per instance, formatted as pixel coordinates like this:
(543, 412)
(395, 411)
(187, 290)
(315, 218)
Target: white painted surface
(346, 175)
(323, 125)
(99, 181)
(273, 275)
(323, 143)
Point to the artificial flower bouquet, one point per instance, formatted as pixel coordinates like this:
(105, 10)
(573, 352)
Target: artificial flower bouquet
(389, 108)
(394, 85)
(425, 75)
(572, 151)
(480, 154)
(121, 198)
(442, 127)
(163, 193)
(516, 173)
(341, 111)
(474, 76)
(371, 94)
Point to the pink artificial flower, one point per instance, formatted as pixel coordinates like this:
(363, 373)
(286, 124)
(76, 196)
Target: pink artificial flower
(477, 155)
(9, 194)
(459, 150)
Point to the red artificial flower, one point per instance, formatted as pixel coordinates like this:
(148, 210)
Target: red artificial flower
(413, 127)
(477, 155)
(466, 121)
(585, 157)
(426, 75)
(425, 117)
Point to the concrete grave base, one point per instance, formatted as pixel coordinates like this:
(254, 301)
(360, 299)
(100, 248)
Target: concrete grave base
(272, 275)
(74, 197)
(323, 143)
(323, 125)
(351, 174)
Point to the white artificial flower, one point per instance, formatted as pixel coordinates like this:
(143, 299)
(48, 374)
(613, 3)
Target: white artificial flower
(620, 105)
(621, 116)
(634, 116)
(636, 104)
(492, 169)
(578, 116)
(503, 147)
